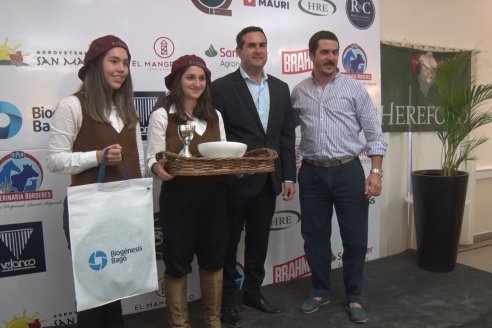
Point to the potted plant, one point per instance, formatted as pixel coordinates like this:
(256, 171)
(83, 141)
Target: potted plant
(439, 195)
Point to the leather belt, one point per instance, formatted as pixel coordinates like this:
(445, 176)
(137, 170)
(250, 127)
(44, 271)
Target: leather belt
(329, 163)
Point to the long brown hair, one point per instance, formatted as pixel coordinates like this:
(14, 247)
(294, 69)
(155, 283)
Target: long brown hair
(204, 109)
(98, 99)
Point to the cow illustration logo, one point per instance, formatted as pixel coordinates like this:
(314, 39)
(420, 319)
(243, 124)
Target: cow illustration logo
(11, 56)
(20, 172)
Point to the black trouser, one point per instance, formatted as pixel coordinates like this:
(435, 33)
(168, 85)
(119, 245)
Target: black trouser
(106, 316)
(194, 222)
(255, 216)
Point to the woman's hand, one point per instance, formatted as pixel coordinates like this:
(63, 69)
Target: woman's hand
(114, 154)
(159, 170)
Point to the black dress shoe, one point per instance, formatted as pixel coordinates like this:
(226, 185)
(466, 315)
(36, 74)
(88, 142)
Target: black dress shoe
(260, 304)
(230, 317)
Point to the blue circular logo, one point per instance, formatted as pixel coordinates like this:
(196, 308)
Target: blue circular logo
(98, 260)
(354, 59)
(360, 13)
(10, 120)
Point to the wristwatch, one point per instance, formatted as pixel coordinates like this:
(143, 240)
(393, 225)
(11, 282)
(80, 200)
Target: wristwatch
(377, 171)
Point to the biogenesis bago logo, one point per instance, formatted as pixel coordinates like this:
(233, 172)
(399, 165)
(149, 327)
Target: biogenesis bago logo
(10, 120)
(214, 7)
(98, 260)
(21, 249)
(21, 176)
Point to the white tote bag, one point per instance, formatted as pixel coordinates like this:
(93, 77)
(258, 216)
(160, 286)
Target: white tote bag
(112, 241)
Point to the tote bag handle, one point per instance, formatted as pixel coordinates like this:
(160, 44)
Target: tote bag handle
(102, 168)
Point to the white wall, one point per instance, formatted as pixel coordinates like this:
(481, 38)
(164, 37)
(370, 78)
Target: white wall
(441, 23)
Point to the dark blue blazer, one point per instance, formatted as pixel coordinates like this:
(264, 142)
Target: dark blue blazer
(242, 123)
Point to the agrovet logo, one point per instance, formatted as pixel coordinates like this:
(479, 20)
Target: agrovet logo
(24, 321)
(11, 56)
(10, 120)
(214, 7)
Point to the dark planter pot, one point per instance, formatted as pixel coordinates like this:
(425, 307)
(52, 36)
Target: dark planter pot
(439, 204)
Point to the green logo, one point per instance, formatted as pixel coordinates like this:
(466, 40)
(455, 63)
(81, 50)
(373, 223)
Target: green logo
(211, 52)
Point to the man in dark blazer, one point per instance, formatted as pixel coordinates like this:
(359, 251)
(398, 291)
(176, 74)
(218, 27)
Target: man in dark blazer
(257, 111)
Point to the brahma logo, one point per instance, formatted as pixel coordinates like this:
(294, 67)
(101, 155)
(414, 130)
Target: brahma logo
(293, 269)
(24, 321)
(360, 13)
(317, 7)
(214, 7)
(21, 249)
(98, 260)
(21, 175)
(11, 56)
(354, 61)
(10, 120)
(284, 220)
(296, 62)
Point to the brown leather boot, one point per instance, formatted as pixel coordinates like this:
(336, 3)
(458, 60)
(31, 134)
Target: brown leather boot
(211, 286)
(176, 301)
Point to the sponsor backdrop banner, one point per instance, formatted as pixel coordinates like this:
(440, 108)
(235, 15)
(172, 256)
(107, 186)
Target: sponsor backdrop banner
(408, 96)
(41, 49)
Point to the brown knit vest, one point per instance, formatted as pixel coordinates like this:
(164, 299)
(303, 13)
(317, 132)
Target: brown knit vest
(174, 144)
(95, 136)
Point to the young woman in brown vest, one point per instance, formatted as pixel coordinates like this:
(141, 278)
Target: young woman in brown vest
(100, 116)
(192, 209)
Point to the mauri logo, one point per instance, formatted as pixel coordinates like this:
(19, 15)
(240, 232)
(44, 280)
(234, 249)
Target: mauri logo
(11, 56)
(214, 7)
(10, 120)
(98, 260)
(354, 62)
(279, 4)
(317, 7)
(360, 13)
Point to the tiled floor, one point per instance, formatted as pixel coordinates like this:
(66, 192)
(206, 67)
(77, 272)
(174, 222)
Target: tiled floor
(478, 255)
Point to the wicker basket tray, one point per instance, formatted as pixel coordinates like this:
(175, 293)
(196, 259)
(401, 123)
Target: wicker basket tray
(259, 160)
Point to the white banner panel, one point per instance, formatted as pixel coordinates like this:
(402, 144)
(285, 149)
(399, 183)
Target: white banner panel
(42, 46)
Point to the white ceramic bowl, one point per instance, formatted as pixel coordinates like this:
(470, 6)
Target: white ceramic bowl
(218, 149)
